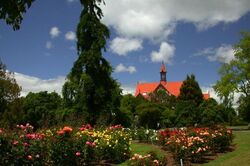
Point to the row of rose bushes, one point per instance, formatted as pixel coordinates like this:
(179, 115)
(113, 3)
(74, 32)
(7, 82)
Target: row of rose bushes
(188, 143)
(65, 146)
(195, 143)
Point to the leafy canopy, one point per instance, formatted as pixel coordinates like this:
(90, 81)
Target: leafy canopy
(9, 89)
(235, 75)
(12, 11)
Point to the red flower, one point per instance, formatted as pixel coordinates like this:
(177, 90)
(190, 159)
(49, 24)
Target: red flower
(60, 132)
(86, 127)
(78, 153)
(67, 129)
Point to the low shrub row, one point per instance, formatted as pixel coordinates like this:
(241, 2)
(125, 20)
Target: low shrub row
(64, 146)
(195, 143)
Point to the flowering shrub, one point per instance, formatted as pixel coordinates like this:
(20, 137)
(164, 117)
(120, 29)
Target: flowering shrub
(145, 135)
(65, 146)
(149, 159)
(194, 143)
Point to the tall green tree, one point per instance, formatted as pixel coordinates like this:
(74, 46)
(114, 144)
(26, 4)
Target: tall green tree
(12, 11)
(235, 75)
(191, 91)
(9, 89)
(90, 87)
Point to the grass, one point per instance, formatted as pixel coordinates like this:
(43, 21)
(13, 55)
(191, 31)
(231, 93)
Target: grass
(240, 156)
(143, 149)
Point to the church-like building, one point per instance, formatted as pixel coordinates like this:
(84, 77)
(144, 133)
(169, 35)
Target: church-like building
(172, 88)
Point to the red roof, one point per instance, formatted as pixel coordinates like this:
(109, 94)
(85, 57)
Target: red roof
(145, 88)
(206, 96)
(172, 87)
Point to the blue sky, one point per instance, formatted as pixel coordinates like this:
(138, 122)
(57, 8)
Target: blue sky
(190, 36)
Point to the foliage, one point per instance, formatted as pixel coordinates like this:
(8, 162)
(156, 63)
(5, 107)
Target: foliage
(64, 146)
(190, 91)
(244, 108)
(14, 113)
(9, 89)
(187, 114)
(211, 112)
(90, 87)
(40, 108)
(235, 75)
(149, 115)
(12, 11)
(168, 118)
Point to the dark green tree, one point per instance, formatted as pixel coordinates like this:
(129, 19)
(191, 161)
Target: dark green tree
(9, 89)
(244, 108)
(187, 113)
(149, 115)
(40, 109)
(12, 11)
(90, 87)
(190, 91)
(211, 112)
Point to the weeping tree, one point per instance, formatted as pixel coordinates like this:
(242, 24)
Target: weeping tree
(89, 87)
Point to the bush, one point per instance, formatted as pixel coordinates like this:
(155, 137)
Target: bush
(194, 143)
(66, 146)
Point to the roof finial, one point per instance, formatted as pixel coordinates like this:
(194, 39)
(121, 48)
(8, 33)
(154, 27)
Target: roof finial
(163, 69)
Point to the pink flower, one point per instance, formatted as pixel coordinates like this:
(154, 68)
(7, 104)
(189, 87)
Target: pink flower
(92, 144)
(1, 131)
(15, 142)
(25, 144)
(29, 157)
(78, 153)
(88, 143)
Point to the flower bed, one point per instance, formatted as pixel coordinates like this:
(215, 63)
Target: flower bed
(65, 146)
(195, 143)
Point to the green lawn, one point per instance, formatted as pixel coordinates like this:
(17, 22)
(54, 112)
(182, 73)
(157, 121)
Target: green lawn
(241, 156)
(143, 149)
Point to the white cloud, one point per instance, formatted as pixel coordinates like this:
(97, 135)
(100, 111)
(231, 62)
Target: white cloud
(122, 46)
(49, 45)
(121, 68)
(151, 20)
(165, 53)
(70, 35)
(128, 89)
(224, 53)
(34, 84)
(213, 94)
(71, 0)
(54, 32)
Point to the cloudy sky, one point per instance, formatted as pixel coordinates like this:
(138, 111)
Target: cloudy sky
(190, 36)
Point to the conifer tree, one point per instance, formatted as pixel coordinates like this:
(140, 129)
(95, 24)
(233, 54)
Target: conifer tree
(90, 87)
(190, 90)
